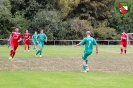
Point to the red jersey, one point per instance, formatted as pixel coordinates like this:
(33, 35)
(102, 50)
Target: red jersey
(123, 37)
(26, 36)
(15, 37)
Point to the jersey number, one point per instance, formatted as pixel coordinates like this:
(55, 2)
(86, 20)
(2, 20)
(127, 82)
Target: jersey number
(89, 44)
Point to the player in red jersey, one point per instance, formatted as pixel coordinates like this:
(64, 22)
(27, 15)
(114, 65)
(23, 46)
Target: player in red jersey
(26, 40)
(14, 40)
(123, 42)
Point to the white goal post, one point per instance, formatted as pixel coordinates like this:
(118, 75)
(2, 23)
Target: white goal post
(130, 38)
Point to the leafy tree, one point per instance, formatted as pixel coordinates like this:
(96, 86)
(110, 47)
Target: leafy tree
(20, 22)
(47, 20)
(105, 33)
(121, 23)
(5, 19)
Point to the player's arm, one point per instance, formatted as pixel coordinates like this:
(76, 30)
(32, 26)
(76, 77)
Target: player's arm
(81, 43)
(96, 48)
(20, 38)
(77, 44)
(46, 39)
(29, 37)
(10, 38)
(37, 39)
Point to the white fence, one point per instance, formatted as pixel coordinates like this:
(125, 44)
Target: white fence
(69, 42)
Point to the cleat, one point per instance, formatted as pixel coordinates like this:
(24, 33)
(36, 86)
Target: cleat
(24, 50)
(10, 58)
(28, 50)
(36, 56)
(40, 55)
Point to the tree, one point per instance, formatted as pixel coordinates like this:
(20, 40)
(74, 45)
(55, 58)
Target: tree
(20, 22)
(5, 19)
(105, 33)
(121, 23)
(47, 20)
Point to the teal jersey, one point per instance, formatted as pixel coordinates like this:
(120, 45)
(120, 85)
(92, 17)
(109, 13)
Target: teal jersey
(88, 42)
(41, 37)
(34, 37)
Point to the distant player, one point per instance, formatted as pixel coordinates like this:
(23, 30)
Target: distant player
(26, 40)
(123, 42)
(88, 42)
(34, 36)
(14, 40)
(40, 40)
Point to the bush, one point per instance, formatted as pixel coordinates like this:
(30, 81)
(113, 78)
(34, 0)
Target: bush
(105, 33)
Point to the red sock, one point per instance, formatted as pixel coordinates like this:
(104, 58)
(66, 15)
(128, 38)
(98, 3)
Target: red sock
(125, 51)
(121, 50)
(28, 47)
(11, 53)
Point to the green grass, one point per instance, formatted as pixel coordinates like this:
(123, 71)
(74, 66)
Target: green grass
(23, 78)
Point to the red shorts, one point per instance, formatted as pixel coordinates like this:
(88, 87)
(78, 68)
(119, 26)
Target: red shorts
(27, 42)
(124, 44)
(14, 45)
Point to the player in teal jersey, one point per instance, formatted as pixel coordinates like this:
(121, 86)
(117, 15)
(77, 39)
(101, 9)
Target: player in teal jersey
(40, 40)
(34, 40)
(88, 42)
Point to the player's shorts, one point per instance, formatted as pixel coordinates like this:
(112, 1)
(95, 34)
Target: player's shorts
(27, 42)
(14, 45)
(124, 44)
(85, 55)
(41, 44)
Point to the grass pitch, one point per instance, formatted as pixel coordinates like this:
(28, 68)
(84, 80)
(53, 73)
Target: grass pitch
(60, 67)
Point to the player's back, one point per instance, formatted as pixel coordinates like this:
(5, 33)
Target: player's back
(89, 42)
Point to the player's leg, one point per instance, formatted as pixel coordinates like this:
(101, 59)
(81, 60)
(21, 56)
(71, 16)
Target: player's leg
(25, 45)
(34, 42)
(14, 51)
(28, 43)
(40, 47)
(125, 47)
(84, 59)
(87, 67)
(11, 51)
(121, 48)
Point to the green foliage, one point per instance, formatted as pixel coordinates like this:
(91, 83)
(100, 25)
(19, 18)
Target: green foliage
(62, 19)
(81, 26)
(47, 20)
(105, 33)
(20, 22)
(121, 23)
(5, 19)
(67, 6)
